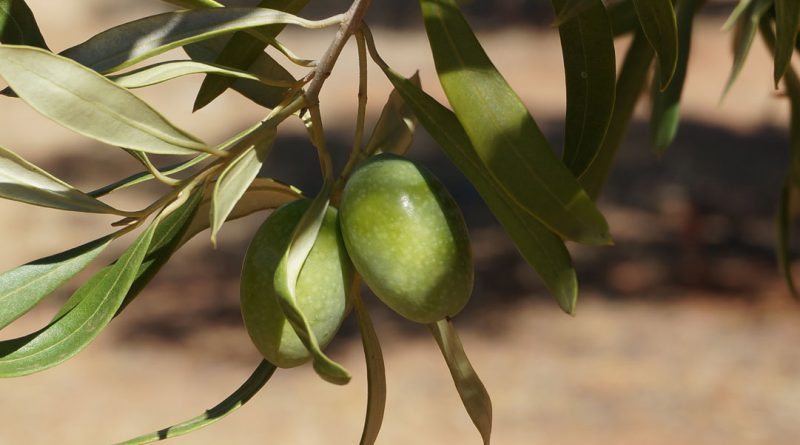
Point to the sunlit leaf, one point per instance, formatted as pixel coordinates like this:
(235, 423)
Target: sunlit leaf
(239, 398)
(162, 72)
(743, 37)
(787, 21)
(658, 21)
(24, 287)
(376, 370)
(587, 45)
(18, 25)
(98, 300)
(504, 134)
(470, 388)
(88, 103)
(541, 248)
(190, 4)
(394, 131)
(666, 115)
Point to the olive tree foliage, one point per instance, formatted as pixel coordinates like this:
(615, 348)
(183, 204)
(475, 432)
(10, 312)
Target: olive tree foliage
(541, 200)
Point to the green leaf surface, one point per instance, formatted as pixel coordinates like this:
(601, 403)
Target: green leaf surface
(587, 45)
(23, 287)
(162, 72)
(394, 131)
(192, 4)
(473, 394)
(783, 245)
(540, 247)
(666, 115)
(97, 302)
(503, 133)
(737, 12)
(303, 238)
(23, 181)
(88, 103)
(630, 83)
(376, 371)
(623, 17)
(132, 42)
(657, 18)
(744, 34)
(235, 179)
(239, 398)
(566, 10)
(18, 25)
(242, 50)
(263, 66)
(787, 21)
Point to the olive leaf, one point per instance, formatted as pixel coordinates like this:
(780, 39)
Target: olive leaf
(376, 370)
(18, 25)
(737, 12)
(784, 224)
(239, 398)
(190, 4)
(587, 45)
(503, 133)
(569, 9)
(303, 238)
(132, 42)
(394, 131)
(96, 303)
(242, 50)
(744, 34)
(630, 83)
(541, 248)
(236, 178)
(659, 24)
(88, 103)
(665, 116)
(23, 181)
(787, 21)
(622, 16)
(162, 72)
(470, 388)
(23, 287)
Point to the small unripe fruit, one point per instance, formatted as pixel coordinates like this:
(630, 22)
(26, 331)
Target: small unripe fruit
(407, 238)
(322, 292)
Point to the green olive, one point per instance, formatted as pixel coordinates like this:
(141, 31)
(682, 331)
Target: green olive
(407, 238)
(322, 292)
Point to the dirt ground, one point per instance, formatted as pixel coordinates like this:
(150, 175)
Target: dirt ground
(684, 332)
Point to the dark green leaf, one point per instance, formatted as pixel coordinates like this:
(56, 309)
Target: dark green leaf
(567, 10)
(657, 18)
(631, 80)
(784, 223)
(18, 25)
(88, 103)
(470, 388)
(376, 370)
(24, 287)
(96, 303)
(666, 115)
(239, 398)
(743, 37)
(542, 249)
(505, 136)
(787, 21)
(587, 44)
(623, 17)
(242, 50)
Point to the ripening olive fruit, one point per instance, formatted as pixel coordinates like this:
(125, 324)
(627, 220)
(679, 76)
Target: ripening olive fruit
(322, 292)
(407, 238)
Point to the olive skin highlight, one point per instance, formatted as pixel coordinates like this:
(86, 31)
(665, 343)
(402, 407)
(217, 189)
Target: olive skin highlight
(406, 236)
(322, 292)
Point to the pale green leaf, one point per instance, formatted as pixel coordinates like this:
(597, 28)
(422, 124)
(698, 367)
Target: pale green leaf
(787, 21)
(18, 25)
(743, 37)
(376, 370)
(162, 72)
(239, 398)
(473, 394)
(503, 133)
(190, 4)
(97, 302)
(658, 21)
(25, 286)
(394, 131)
(88, 103)
(737, 12)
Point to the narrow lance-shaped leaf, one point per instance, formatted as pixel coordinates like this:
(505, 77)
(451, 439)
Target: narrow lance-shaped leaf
(657, 18)
(23, 181)
(783, 245)
(567, 10)
(162, 72)
(394, 131)
(504, 134)
(787, 21)
(630, 83)
(470, 388)
(737, 12)
(666, 113)
(541, 248)
(587, 44)
(743, 38)
(191, 4)
(18, 25)
(98, 301)
(376, 370)
(132, 42)
(623, 17)
(24, 287)
(242, 50)
(88, 103)
(239, 398)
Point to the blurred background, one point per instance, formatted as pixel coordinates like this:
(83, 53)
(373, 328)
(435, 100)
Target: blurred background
(684, 332)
